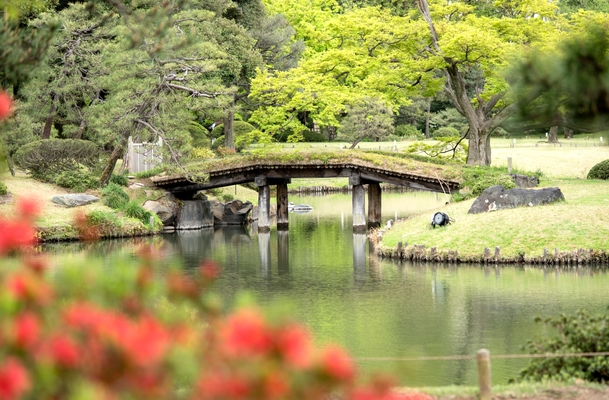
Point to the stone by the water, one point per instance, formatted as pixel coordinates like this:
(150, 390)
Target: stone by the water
(74, 199)
(497, 198)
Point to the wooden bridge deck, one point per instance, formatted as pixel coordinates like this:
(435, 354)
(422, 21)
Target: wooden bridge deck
(184, 187)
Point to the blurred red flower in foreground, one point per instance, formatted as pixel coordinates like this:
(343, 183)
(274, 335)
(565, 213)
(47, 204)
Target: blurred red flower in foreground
(14, 380)
(6, 104)
(18, 233)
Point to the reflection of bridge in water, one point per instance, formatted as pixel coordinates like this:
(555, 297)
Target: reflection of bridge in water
(363, 176)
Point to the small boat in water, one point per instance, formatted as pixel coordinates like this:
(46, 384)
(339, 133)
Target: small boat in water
(299, 208)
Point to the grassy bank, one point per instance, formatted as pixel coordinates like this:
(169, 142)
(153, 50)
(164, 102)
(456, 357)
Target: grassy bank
(580, 222)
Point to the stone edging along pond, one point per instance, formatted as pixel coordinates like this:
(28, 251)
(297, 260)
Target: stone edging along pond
(420, 253)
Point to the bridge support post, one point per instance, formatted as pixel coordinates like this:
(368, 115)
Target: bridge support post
(359, 204)
(282, 206)
(374, 205)
(264, 204)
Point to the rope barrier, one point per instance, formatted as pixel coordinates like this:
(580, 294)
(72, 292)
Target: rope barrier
(500, 356)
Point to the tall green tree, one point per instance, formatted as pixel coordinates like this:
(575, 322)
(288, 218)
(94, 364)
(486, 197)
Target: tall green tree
(350, 55)
(482, 46)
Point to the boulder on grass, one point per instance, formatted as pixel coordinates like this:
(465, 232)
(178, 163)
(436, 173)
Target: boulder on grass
(165, 214)
(497, 198)
(74, 199)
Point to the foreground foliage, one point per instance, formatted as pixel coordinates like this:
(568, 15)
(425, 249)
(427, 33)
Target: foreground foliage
(578, 333)
(82, 333)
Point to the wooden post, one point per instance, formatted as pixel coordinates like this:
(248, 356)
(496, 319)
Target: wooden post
(359, 204)
(264, 204)
(282, 206)
(283, 252)
(484, 374)
(264, 247)
(509, 165)
(374, 205)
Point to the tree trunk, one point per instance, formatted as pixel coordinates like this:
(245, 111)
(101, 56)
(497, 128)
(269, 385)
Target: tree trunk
(553, 135)
(114, 157)
(46, 132)
(427, 135)
(81, 128)
(229, 128)
(479, 151)
(568, 133)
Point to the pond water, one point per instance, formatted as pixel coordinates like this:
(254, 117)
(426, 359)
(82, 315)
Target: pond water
(387, 309)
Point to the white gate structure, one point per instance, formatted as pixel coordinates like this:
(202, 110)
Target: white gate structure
(143, 156)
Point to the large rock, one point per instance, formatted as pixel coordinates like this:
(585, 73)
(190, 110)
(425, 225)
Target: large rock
(497, 198)
(232, 213)
(74, 199)
(195, 214)
(166, 214)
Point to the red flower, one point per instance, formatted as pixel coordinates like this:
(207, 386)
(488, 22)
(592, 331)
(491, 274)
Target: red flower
(29, 287)
(28, 209)
(245, 333)
(146, 342)
(64, 351)
(209, 270)
(294, 345)
(336, 363)
(276, 385)
(218, 386)
(26, 330)
(14, 380)
(15, 235)
(6, 104)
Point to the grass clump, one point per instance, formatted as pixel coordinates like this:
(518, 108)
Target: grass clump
(120, 179)
(151, 172)
(3, 189)
(134, 210)
(115, 196)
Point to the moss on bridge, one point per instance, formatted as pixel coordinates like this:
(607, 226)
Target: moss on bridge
(392, 161)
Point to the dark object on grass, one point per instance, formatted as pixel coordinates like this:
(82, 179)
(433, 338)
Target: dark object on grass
(440, 219)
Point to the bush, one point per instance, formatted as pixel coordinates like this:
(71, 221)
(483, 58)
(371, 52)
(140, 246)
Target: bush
(115, 196)
(479, 178)
(103, 223)
(241, 129)
(202, 153)
(3, 189)
(578, 333)
(134, 210)
(313, 137)
(79, 333)
(76, 180)
(599, 171)
(121, 179)
(445, 131)
(227, 197)
(408, 131)
(52, 156)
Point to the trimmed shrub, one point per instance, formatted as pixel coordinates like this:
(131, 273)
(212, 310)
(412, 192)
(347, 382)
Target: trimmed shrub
(115, 196)
(445, 131)
(599, 171)
(407, 131)
(51, 156)
(133, 209)
(121, 179)
(313, 137)
(480, 178)
(77, 180)
(3, 189)
(227, 197)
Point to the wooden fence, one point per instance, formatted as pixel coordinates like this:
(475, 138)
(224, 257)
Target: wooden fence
(142, 157)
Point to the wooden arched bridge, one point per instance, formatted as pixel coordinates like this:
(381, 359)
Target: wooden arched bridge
(361, 169)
